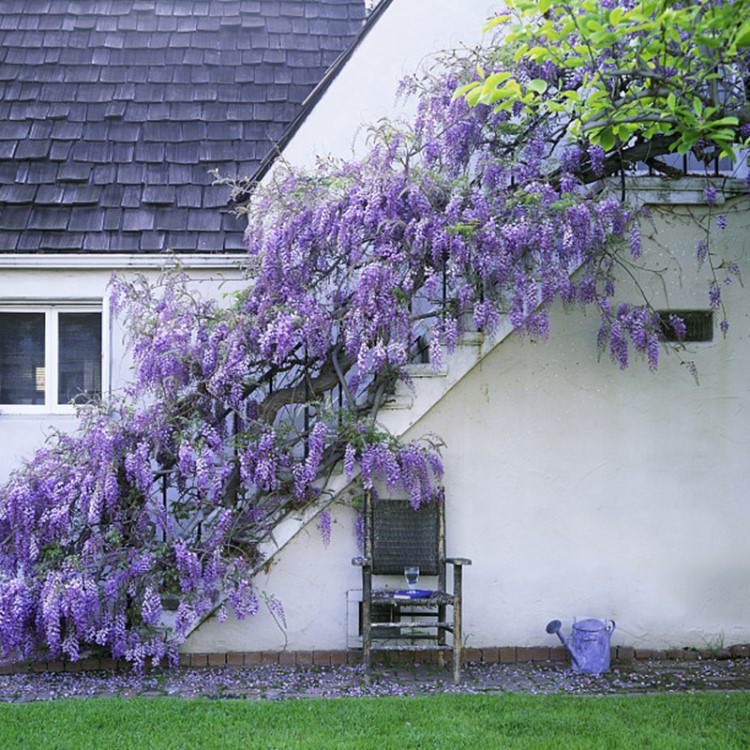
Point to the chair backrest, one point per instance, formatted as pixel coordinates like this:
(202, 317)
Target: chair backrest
(399, 536)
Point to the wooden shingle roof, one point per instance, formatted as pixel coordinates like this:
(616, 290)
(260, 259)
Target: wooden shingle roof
(114, 112)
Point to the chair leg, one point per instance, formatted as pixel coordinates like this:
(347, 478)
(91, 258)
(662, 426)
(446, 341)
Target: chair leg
(367, 625)
(441, 635)
(366, 659)
(457, 661)
(457, 624)
(456, 643)
(367, 642)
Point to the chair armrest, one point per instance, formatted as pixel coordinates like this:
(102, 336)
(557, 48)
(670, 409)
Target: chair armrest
(458, 561)
(363, 562)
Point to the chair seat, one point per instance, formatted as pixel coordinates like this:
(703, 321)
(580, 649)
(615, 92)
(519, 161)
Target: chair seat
(435, 599)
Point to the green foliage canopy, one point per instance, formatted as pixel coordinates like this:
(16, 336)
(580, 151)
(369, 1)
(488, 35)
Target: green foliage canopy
(674, 75)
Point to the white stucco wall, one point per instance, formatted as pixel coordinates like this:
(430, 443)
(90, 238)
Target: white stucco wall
(311, 582)
(584, 490)
(577, 489)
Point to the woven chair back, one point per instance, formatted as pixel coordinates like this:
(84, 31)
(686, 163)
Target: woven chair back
(402, 536)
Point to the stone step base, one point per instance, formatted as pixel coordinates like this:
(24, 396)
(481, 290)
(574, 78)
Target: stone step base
(328, 658)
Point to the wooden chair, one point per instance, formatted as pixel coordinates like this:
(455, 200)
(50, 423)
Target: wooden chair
(397, 536)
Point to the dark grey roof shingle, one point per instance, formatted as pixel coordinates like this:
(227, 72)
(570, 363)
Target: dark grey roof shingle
(112, 113)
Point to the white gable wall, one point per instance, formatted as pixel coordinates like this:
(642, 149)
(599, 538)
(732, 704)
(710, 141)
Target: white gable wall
(409, 34)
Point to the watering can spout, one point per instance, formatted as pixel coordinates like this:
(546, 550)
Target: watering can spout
(554, 626)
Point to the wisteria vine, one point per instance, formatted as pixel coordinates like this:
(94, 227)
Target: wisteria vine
(127, 533)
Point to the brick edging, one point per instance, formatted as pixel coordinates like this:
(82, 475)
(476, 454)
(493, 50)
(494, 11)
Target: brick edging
(328, 658)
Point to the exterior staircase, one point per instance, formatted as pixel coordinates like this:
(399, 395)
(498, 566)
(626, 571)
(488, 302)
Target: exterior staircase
(403, 410)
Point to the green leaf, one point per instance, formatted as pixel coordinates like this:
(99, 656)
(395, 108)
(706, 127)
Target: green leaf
(573, 62)
(596, 96)
(593, 25)
(473, 97)
(496, 21)
(497, 78)
(743, 36)
(510, 89)
(465, 89)
(607, 139)
(538, 85)
(711, 42)
(725, 121)
(722, 136)
(550, 33)
(538, 54)
(567, 27)
(624, 130)
(521, 51)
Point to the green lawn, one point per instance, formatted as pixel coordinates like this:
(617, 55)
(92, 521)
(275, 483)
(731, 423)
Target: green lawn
(556, 722)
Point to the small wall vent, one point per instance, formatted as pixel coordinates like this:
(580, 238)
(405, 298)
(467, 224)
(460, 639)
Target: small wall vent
(699, 325)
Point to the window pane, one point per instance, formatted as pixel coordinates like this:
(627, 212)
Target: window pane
(22, 373)
(79, 356)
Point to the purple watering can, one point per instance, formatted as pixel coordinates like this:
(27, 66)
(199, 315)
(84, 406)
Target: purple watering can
(590, 647)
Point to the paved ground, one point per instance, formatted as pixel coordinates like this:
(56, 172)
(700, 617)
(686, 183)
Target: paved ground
(278, 683)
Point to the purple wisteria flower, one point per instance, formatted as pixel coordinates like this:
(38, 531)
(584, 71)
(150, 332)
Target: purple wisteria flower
(635, 240)
(702, 251)
(324, 524)
(596, 155)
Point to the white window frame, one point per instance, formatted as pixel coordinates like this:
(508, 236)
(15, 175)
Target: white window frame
(51, 311)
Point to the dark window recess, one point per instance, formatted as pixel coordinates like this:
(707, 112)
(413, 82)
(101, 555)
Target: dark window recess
(420, 352)
(699, 325)
(382, 613)
(22, 372)
(79, 357)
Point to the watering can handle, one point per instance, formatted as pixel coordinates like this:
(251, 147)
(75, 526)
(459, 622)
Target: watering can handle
(611, 626)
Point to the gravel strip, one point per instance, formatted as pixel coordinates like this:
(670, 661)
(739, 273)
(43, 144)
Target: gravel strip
(280, 683)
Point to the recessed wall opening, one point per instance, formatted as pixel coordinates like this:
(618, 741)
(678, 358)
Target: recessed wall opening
(698, 325)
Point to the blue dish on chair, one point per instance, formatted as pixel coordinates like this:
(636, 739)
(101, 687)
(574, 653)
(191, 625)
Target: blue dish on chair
(414, 594)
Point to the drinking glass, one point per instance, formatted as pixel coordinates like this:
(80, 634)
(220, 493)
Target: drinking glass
(411, 573)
